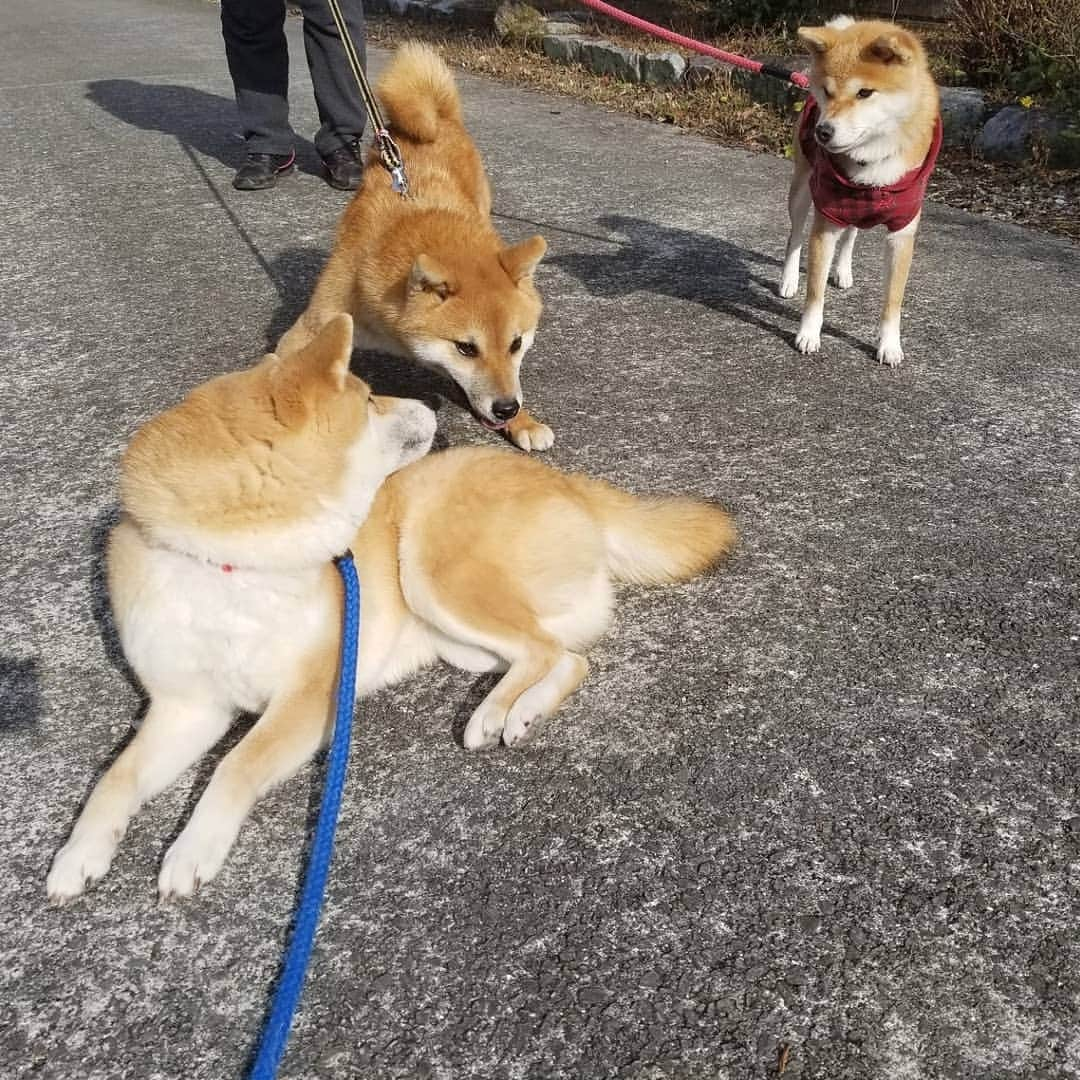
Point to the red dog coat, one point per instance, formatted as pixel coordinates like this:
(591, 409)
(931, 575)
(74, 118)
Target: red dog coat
(845, 203)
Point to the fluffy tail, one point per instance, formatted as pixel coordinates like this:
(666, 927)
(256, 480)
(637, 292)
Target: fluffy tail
(652, 540)
(419, 94)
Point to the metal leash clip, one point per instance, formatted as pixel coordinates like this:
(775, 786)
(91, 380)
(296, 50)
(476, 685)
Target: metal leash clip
(399, 182)
(392, 159)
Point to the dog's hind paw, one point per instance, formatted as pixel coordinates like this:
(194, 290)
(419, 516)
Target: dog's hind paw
(485, 727)
(526, 717)
(529, 434)
(789, 286)
(842, 277)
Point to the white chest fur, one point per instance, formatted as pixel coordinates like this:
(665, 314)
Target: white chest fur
(192, 627)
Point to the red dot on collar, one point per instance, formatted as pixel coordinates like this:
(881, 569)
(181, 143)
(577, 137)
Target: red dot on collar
(226, 568)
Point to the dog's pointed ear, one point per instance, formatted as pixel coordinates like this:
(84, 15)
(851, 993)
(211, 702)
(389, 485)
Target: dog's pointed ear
(327, 355)
(427, 275)
(521, 260)
(817, 39)
(895, 47)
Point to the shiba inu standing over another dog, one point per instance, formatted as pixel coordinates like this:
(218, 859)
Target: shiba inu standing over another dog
(865, 146)
(428, 277)
(225, 599)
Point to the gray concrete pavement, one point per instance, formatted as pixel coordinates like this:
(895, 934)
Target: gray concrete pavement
(826, 799)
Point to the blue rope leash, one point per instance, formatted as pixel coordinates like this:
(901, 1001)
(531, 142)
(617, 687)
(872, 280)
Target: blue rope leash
(291, 982)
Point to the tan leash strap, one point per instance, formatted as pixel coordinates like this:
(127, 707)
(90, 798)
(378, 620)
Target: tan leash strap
(388, 149)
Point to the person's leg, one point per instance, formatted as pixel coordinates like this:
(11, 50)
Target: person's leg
(341, 108)
(258, 57)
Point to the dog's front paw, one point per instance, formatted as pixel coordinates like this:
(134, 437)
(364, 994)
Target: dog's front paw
(789, 285)
(529, 434)
(194, 859)
(890, 353)
(808, 340)
(78, 863)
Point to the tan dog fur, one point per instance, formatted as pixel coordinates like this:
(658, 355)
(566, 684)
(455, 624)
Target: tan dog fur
(423, 275)
(224, 598)
(890, 134)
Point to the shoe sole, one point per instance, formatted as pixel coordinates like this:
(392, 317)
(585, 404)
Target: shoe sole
(338, 186)
(270, 182)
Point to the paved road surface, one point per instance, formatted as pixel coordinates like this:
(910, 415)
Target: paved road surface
(826, 799)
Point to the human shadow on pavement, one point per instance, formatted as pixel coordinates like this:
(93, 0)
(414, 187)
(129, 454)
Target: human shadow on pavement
(204, 122)
(689, 266)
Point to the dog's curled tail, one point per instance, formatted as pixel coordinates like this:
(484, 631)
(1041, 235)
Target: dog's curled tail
(419, 93)
(653, 539)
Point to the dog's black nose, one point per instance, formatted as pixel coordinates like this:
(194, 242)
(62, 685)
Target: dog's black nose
(505, 410)
(824, 131)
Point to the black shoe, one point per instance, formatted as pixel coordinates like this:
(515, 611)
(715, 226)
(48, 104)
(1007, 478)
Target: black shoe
(262, 171)
(344, 166)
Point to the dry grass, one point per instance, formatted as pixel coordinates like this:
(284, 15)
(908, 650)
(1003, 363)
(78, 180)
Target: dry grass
(722, 112)
(1025, 195)
(1037, 39)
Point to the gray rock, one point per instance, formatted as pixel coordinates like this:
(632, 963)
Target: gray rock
(1012, 133)
(662, 69)
(962, 112)
(561, 24)
(564, 49)
(519, 22)
(605, 58)
(704, 71)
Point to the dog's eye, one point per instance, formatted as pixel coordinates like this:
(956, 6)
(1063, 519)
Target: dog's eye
(515, 344)
(466, 348)
(865, 92)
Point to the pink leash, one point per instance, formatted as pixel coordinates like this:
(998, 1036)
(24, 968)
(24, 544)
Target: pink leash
(796, 78)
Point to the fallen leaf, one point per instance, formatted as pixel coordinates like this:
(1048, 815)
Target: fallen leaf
(782, 1060)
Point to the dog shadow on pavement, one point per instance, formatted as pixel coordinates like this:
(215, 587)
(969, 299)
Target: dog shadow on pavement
(203, 122)
(21, 704)
(689, 266)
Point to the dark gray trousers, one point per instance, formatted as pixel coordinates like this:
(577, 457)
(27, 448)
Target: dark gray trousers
(258, 56)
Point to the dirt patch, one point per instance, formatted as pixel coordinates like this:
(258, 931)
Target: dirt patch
(1028, 195)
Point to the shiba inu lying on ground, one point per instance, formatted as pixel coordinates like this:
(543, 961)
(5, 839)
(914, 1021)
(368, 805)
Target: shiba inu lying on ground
(428, 277)
(866, 144)
(225, 598)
